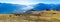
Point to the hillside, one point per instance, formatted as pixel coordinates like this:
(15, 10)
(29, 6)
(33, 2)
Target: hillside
(45, 16)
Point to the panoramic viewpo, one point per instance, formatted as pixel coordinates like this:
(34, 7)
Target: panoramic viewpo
(29, 10)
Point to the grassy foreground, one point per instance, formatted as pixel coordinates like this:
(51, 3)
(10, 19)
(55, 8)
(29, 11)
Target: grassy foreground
(46, 16)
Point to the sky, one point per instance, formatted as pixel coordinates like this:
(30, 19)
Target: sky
(27, 2)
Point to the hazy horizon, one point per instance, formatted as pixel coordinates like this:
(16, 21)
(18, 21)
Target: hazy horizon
(27, 2)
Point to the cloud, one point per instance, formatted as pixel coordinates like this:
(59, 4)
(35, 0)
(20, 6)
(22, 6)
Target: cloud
(23, 9)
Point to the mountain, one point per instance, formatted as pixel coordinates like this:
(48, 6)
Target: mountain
(6, 8)
(42, 6)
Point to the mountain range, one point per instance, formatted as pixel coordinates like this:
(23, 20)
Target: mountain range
(6, 8)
